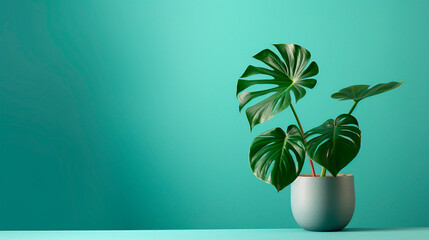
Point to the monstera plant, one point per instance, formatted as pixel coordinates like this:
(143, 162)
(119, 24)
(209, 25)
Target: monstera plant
(277, 156)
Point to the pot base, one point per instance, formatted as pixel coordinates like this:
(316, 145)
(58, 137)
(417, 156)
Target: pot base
(323, 203)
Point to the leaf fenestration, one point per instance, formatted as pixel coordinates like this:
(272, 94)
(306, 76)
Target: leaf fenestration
(277, 157)
(289, 74)
(335, 143)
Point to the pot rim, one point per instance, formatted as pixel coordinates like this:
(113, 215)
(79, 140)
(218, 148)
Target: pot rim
(318, 175)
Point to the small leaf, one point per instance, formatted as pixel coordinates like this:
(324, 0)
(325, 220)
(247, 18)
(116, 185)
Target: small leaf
(359, 92)
(277, 157)
(334, 144)
(288, 75)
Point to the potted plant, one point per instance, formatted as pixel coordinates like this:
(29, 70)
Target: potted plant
(319, 202)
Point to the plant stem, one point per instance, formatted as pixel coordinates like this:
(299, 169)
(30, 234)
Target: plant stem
(297, 119)
(305, 141)
(322, 174)
(353, 107)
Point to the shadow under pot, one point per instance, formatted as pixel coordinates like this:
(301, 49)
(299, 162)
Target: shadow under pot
(323, 203)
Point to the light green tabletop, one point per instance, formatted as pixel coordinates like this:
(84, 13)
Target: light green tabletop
(248, 234)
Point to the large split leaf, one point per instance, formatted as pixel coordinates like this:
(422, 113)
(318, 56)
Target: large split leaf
(334, 144)
(277, 157)
(287, 75)
(359, 92)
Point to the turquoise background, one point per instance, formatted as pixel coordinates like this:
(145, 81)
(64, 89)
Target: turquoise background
(122, 114)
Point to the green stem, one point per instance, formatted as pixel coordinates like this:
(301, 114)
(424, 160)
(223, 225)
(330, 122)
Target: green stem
(322, 174)
(353, 107)
(305, 141)
(297, 119)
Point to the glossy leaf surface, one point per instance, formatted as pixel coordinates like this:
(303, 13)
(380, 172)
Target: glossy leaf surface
(286, 75)
(277, 157)
(334, 144)
(359, 92)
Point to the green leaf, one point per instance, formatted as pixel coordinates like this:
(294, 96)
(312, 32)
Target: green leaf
(359, 92)
(334, 144)
(287, 75)
(277, 157)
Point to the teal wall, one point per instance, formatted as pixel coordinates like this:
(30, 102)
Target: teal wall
(122, 114)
